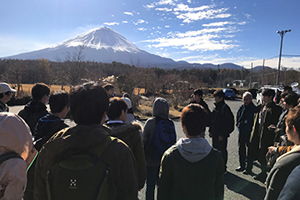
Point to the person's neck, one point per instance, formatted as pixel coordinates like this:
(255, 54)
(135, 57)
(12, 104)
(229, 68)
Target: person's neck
(60, 115)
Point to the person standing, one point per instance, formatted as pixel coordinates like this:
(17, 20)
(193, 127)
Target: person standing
(160, 114)
(191, 169)
(88, 105)
(222, 124)
(288, 161)
(128, 133)
(15, 139)
(36, 108)
(198, 98)
(261, 137)
(6, 92)
(244, 123)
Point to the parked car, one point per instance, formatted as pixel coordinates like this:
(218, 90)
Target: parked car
(277, 90)
(229, 94)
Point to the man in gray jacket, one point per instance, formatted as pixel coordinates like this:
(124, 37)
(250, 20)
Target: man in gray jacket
(160, 112)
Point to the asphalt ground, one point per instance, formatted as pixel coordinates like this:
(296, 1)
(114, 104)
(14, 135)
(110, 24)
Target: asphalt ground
(237, 185)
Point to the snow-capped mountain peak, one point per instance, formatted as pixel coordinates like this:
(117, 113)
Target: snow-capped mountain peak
(99, 38)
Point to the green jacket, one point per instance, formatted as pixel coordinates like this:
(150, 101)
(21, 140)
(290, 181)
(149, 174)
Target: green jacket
(264, 138)
(117, 156)
(130, 134)
(181, 179)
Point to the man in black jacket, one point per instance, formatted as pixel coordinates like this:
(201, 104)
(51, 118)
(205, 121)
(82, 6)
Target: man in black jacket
(244, 123)
(36, 108)
(222, 124)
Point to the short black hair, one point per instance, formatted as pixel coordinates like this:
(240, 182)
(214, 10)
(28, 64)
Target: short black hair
(108, 87)
(291, 98)
(58, 100)
(116, 105)
(219, 93)
(194, 117)
(287, 88)
(268, 92)
(88, 103)
(39, 90)
(198, 92)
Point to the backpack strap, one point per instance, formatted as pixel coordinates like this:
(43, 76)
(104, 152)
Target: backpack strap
(8, 155)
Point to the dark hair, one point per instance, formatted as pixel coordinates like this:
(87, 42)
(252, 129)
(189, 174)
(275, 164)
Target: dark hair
(287, 88)
(268, 92)
(88, 102)
(116, 105)
(291, 98)
(58, 100)
(219, 93)
(198, 92)
(39, 90)
(194, 117)
(293, 119)
(5, 93)
(282, 95)
(108, 87)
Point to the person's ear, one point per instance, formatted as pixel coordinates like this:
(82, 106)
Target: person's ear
(294, 128)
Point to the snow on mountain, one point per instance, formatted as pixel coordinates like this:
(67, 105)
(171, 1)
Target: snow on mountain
(105, 45)
(102, 38)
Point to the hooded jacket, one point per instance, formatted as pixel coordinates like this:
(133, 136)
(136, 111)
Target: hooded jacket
(130, 134)
(117, 156)
(280, 172)
(191, 169)
(46, 127)
(160, 110)
(32, 112)
(15, 136)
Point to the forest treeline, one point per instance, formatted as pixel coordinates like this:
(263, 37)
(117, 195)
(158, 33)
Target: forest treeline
(128, 76)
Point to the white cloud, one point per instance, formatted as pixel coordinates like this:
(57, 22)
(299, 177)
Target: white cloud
(218, 24)
(142, 29)
(124, 22)
(111, 23)
(164, 9)
(248, 16)
(140, 21)
(242, 23)
(208, 14)
(167, 26)
(181, 7)
(128, 13)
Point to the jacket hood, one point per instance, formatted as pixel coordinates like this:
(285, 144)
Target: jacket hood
(16, 136)
(78, 137)
(120, 130)
(193, 149)
(161, 108)
(35, 106)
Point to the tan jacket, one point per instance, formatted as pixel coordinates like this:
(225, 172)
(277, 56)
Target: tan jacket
(15, 136)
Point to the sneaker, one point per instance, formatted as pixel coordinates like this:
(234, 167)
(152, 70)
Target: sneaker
(240, 169)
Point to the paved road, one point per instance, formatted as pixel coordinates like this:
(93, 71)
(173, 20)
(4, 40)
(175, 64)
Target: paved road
(237, 185)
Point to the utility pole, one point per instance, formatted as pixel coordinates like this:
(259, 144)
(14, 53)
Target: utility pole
(281, 33)
(251, 75)
(262, 73)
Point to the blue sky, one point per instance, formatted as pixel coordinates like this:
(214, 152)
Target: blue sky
(201, 31)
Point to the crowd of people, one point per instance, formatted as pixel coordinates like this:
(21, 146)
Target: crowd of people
(110, 155)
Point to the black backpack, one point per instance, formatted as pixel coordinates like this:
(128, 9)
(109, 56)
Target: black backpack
(164, 137)
(79, 174)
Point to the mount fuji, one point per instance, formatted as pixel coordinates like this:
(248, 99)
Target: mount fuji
(105, 45)
(100, 45)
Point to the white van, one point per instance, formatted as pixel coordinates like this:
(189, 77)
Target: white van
(277, 90)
